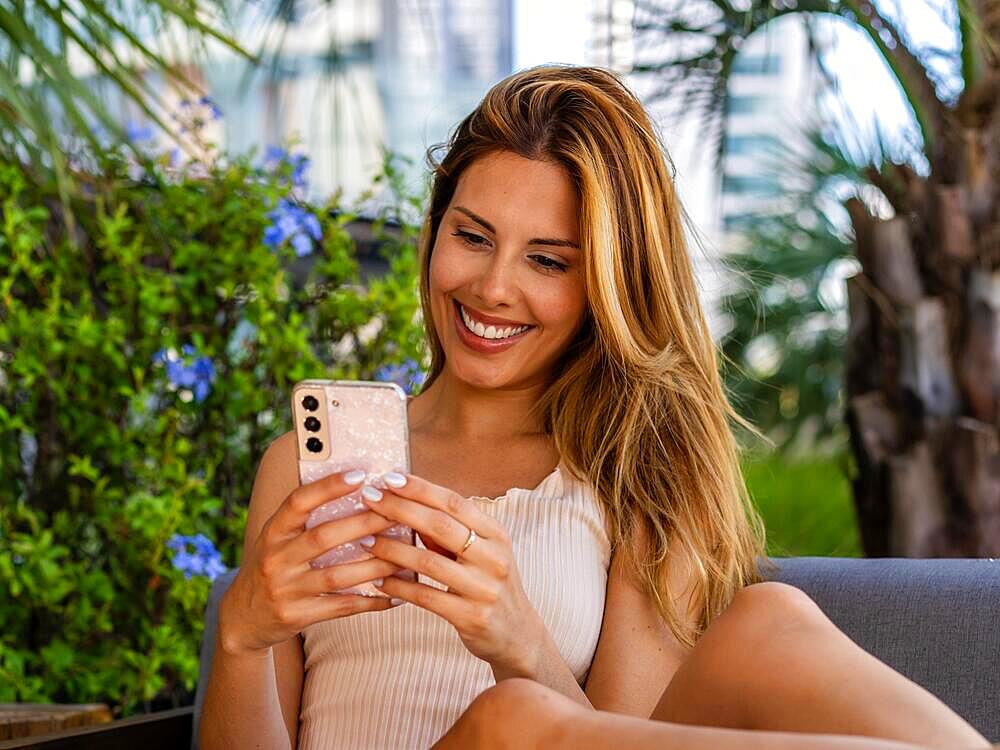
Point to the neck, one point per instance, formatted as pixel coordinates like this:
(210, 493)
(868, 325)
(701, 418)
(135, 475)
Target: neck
(452, 409)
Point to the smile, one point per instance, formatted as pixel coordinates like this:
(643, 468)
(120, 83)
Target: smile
(484, 337)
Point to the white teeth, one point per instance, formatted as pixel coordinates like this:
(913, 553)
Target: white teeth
(489, 332)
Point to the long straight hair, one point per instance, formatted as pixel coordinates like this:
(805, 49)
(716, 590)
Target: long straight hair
(635, 405)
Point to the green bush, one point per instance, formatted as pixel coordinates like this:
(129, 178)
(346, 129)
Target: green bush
(806, 505)
(147, 349)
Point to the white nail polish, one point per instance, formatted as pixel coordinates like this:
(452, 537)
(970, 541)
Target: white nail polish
(395, 602)
(394, 479)
(367, 541)
(356, 476)
(370, 493)
(378, 582)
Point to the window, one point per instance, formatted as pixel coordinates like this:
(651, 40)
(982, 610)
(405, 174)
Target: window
(738, 222)
(752, 184)
(754, 144)
(749, 105)
(767, 65)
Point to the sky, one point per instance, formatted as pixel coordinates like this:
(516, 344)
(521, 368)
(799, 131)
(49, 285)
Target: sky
(557, 31)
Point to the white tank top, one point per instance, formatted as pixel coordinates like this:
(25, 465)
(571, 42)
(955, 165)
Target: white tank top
(401, 677)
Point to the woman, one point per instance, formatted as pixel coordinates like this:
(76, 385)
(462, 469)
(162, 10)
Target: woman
(565, 332)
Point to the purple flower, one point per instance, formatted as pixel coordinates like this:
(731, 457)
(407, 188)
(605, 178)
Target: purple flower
(213, 108)
(279, 161)
(292, 222)
(407, 376)
(138, 133)
(191, 373)
(206, 560)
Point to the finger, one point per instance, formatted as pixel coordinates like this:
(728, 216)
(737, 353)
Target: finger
(465, 579)
(319, 608)
(311, 543)
(441, 498)
(337, 577)
(452, 607)
(292, 514)
(443, 528)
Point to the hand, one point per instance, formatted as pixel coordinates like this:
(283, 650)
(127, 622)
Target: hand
(276, 593)
(485, 601)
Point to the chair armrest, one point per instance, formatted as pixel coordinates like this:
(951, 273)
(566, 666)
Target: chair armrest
(161, 730)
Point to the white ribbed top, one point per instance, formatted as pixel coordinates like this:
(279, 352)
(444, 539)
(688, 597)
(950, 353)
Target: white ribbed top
(401, 677)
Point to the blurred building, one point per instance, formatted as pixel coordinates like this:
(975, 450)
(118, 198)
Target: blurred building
(772, 92)
(349, 77)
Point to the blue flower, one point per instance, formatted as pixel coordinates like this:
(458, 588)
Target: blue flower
(206, 560)
(191, 373)
(278, 160)
(291, 221)
(407, 376)
(138, 133)
(212, 107)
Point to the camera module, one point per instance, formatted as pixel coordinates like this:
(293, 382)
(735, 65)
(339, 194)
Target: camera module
(312, 424)
(309, 403)
(314, 444)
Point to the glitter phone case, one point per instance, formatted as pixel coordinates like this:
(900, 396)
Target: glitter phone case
(351, 424)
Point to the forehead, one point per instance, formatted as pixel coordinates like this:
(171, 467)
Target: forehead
(519, 194)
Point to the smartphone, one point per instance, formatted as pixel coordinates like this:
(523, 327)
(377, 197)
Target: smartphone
(351, 424)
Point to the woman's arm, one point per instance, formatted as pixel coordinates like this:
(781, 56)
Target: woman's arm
(636, 655)
(252, 700)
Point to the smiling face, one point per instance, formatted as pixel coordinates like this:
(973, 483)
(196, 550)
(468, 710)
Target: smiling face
(507, 255)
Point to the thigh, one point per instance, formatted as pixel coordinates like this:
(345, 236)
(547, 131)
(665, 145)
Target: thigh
(710, 686)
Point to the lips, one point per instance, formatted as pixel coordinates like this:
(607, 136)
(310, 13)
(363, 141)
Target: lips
(489, 320)
(479, 344)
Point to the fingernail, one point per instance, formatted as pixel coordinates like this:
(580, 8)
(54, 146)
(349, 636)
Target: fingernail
(378, 582)
(371, 493)
(366, 541)
(395, 602)
(355, 476)
(394, 479)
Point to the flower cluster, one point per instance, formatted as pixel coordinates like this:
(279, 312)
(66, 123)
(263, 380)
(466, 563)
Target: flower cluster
(194, 114)
(277, 159)
(407, 376)
(290, 221)
(192, 374)
(205, 560)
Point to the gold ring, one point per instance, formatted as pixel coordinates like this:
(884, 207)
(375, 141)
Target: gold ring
(469, 541)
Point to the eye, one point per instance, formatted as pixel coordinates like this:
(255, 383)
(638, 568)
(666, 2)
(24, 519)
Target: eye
(468, 238)
(551, 263)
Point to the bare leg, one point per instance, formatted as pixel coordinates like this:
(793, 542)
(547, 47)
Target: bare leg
(521, 714)
(774, 661)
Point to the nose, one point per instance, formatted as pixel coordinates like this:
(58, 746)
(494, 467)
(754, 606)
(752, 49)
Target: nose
(497, 284)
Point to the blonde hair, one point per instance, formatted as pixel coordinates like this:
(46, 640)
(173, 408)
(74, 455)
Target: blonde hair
(635, 405)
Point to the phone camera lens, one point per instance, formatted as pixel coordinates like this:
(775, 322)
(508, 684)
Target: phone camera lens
(314, 444)
(309, 403)
(312, 424)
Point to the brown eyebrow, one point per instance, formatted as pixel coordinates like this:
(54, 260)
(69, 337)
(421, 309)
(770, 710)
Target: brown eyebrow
(537, 241)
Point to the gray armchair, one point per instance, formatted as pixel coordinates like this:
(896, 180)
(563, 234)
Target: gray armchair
(935, 621)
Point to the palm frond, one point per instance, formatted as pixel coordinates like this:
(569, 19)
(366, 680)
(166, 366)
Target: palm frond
(690, 48)
(55, 54)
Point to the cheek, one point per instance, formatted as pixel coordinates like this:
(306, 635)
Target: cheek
(563, 309)
(446, 270)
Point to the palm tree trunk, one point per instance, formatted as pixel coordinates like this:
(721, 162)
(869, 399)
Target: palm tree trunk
(923, 369)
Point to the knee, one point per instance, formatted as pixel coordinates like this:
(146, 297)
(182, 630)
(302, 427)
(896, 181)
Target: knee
(507, 697)
(761, 611)
(519, 709)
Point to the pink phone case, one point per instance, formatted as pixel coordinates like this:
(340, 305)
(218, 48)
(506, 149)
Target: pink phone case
(360, 425)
